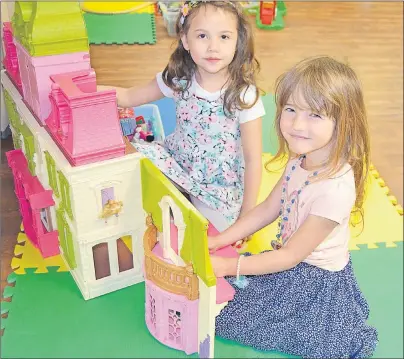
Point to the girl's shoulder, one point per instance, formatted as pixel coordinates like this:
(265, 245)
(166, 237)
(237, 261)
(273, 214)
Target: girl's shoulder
(340, 187)
(167, 90)
(252, 100)
(249, 95)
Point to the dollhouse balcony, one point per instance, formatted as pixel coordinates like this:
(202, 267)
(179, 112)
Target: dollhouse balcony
(10, 60)
(180, 279)
(164, 274)
(35, 205)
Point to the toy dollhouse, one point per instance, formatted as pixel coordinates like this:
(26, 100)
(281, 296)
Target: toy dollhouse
(84, 192)
(183, 296)
(79, 192)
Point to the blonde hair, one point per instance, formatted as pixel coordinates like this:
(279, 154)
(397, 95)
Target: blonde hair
(332, 88)
(242, 70)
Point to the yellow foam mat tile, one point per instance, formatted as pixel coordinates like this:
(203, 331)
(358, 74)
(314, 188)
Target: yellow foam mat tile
(32, 258)
(383, 221)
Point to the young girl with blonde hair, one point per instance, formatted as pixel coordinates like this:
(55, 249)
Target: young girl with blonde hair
(302, 298)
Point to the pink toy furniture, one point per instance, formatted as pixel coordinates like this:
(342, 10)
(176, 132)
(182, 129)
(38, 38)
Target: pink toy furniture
(10, 60)
(83, 122)
(35, 203)
(35, 73)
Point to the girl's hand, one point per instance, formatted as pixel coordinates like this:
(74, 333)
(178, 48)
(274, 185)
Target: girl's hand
(213, 244)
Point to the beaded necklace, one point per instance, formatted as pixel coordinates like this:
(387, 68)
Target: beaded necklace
(287, 204)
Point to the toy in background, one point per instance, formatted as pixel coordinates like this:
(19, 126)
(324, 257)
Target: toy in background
(270, 15)
(142, 131)
(170, 12)
(135, 128)
(250, 7)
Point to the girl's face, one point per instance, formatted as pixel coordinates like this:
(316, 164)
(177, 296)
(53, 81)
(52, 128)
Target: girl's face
(211, 39)
(305, 131)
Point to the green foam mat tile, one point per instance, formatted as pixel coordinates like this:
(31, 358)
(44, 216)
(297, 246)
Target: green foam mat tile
(49, 317)
(270, 142)
(120, 28)
(380, 277)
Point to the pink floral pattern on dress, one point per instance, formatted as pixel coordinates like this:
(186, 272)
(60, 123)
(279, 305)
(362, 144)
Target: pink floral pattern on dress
(204, 154)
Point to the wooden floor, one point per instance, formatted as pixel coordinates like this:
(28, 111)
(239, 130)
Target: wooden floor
(367, 35)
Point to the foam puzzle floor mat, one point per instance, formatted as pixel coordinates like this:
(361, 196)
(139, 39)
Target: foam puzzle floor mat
(48, 318)
(120, 28)
(27, 256)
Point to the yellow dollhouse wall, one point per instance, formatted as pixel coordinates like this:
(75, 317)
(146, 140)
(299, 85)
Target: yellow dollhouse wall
(155, 185)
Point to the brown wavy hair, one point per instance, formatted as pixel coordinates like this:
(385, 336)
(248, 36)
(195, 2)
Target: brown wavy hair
(242, 70)
(331, 87)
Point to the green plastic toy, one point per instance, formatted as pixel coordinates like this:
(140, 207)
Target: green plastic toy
(277, 23)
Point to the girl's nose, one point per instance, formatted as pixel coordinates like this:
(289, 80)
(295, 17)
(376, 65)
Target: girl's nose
(213, 45)
(299, 122)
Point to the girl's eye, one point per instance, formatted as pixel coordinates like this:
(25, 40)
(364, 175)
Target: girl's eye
(315, 115)
(289, 109)
(201, 36)
(225, 37)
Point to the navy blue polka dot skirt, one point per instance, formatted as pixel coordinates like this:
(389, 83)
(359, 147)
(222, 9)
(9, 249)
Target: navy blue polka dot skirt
(305, 311)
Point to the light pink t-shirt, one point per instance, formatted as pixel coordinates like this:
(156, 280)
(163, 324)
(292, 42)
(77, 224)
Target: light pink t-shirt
(329, 198)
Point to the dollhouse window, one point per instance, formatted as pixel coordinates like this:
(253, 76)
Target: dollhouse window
(124, 249)
(46, 219)
(152, 306)
(101, 261)
(173, 230)
(106, 195)
(101, 257)
(174, 326)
